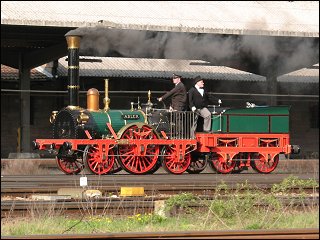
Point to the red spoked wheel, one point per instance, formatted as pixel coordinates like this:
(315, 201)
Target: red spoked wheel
(264, 165)
(172, 163)
(197, 164)
(128, 158)
(222, 164)
(98, 162)
(69, 162)
(241, 160)
(116, 167)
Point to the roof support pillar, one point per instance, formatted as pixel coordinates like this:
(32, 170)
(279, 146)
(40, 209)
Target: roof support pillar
(24, 77)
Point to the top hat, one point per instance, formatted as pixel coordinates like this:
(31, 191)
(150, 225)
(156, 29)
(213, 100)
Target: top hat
(197, 79)
(175, 76)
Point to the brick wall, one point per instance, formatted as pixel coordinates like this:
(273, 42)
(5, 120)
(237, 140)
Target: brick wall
(301, 132)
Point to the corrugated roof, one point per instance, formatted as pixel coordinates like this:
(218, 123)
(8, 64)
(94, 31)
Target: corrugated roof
(158, 68)
(307, 75)
(155, 68)
(277, 18)
(13, 74)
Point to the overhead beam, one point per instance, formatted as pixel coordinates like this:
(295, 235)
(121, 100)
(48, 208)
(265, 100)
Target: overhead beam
(10, 58)
(36, 58)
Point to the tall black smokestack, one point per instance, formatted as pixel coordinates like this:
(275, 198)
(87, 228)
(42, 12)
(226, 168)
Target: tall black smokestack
(73, 69)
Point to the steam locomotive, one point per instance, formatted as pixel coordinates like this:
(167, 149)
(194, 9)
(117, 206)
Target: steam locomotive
(143, 138)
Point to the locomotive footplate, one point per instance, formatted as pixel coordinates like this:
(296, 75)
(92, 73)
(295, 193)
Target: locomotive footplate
(136, 156)
(183, 146)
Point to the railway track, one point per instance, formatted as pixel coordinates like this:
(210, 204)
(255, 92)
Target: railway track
(307, 233)
(124, 206)
(17, 191)
(157, 187)
(152, 184)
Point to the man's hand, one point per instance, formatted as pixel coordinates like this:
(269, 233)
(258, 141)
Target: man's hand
(193, 109)
(160, 99)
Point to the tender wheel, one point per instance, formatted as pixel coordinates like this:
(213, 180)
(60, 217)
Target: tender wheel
(96, 161)
(69, 162)
(237, 168)
(171, 162)
(240, 160)
(128, 159)
(221, 165)
(263, 165)
(197, 164)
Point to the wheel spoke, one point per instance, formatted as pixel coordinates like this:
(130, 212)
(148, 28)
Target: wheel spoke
(95, 161)
(263, 165)
(221, 165)
(173, 165)
(69, 163)
(138, 164)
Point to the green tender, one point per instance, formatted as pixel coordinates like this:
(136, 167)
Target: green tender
(252, 120)
(116, 118)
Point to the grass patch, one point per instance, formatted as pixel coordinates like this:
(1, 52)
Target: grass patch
(155, 223)
(293, 182)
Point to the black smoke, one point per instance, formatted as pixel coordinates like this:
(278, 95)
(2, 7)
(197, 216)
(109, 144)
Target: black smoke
(257, 54)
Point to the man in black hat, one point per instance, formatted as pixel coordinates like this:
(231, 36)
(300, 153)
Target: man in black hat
(198, 103)
(178, 94)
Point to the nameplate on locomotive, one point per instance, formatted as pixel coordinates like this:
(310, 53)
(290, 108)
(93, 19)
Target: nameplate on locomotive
(130, 116)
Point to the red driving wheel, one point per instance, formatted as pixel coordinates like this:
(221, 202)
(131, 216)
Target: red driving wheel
(128, 159)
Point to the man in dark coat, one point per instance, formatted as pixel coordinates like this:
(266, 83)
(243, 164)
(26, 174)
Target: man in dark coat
(198, 103)
(178, 94)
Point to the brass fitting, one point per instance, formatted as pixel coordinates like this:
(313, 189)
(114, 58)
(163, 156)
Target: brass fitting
(73, 41)
(82, 118)
(53, 116)
(106, 99)
(93, 99)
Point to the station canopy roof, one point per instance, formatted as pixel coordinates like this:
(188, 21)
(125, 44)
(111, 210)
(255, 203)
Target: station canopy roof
(9, 73)
(155, 68)
(137, 68)
(272, 18)
(304, 75)
(261, 37)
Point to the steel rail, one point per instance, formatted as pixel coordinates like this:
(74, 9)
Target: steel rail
(201, 184)
(127, 206)
(306, 233)
(149, 190)
(128, 202)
